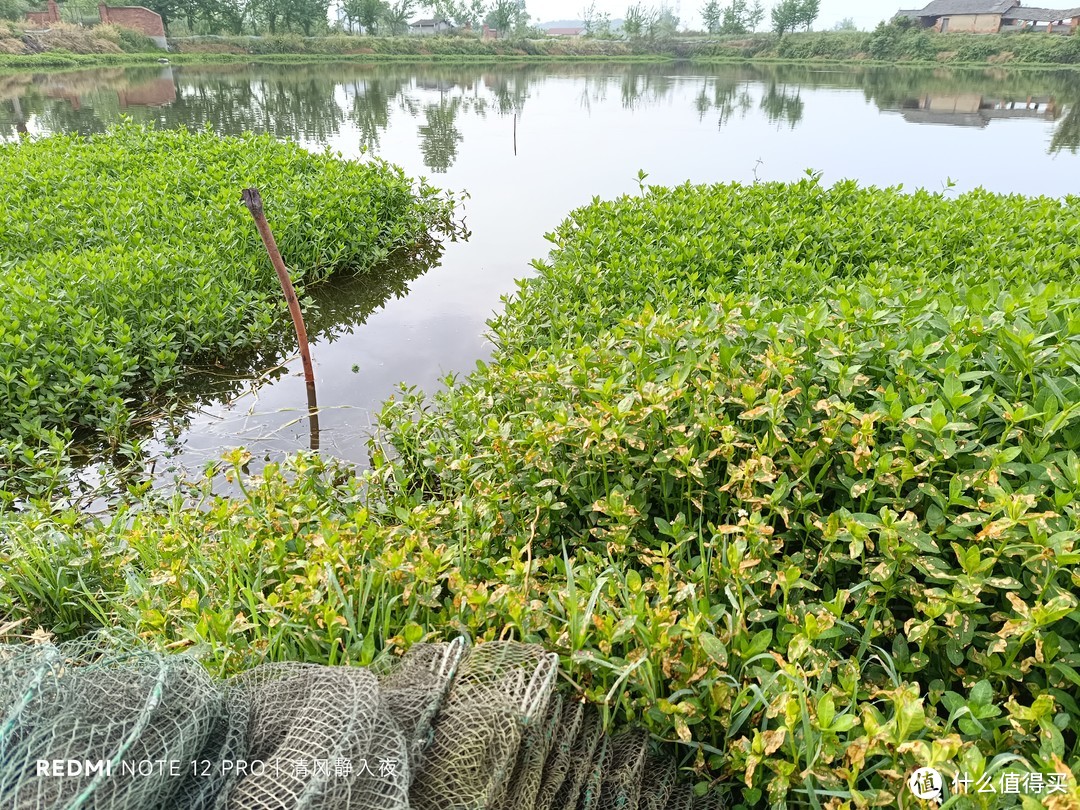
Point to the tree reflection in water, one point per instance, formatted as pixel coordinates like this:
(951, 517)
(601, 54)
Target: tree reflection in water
(439, 137)
(782, 105)
(315, 103)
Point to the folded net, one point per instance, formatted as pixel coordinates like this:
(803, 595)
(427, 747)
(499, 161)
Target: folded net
(445, 727)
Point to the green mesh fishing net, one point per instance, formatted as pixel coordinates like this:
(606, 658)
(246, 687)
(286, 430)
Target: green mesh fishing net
(446, 727)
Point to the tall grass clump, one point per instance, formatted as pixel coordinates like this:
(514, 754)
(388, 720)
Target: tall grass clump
(126, 257)
(787, 473)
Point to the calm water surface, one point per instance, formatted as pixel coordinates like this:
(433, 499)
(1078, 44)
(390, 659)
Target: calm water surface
(529, 144)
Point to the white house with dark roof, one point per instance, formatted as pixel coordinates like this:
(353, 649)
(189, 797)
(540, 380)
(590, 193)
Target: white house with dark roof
(428, 28)
(992, 16)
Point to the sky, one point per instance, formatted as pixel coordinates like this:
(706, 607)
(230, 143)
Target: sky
(866, 13)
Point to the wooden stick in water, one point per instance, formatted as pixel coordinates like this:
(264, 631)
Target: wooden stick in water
(250, 198)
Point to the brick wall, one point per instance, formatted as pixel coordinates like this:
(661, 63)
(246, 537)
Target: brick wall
(45, 18)
(136, 18)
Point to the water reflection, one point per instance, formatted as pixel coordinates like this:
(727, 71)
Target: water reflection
(317, 102)
(782, 105)
(333, 311)
(1067, 134)
(975, 109)
(439, 137)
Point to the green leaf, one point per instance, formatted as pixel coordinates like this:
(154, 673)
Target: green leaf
(826, 711)
(715, 649)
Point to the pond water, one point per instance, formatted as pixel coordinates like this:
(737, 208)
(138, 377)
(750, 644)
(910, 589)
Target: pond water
(529, 143)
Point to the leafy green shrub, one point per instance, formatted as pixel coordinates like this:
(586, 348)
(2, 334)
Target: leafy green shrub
(788, 473)
(126, 257)
(280, 43)
(976, 50)
(135, 42)
(830, 45)
(824, 442)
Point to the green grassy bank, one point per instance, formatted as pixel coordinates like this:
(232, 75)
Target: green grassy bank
(787, 473)
(127, 257)
(71, 46)
(68, 60)
(895, 43)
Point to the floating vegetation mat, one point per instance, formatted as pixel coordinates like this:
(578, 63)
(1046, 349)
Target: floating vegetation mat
(446, 726)
(127, 260)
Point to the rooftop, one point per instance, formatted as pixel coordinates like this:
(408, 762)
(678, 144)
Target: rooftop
(1033, 14)
(941, 8)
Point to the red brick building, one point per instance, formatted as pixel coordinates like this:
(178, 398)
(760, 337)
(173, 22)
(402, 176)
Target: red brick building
(49, 16)
(136, 18)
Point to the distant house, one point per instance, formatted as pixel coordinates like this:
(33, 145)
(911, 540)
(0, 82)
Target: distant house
(566, 32)
(428, 28)
(992, 16)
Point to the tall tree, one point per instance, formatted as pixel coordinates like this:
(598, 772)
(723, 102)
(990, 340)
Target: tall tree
(231, 15)
(268, 14)
(738, 18)
(456, 11)
(396, 16)
(470, 13)
(786, 16)
(808, 12)
(366, 12)
(710, 15)
(308, 16)
(588, 17)
(506, 16)
(665, 22)
(754, 16)
(596, 22)
(638, 20)
(169, 10)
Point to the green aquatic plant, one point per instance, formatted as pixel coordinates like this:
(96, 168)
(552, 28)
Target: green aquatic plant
(787, 473)
(810, 455)
(126, 257)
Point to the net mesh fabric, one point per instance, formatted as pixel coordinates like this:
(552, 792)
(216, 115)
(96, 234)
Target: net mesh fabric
(620, 781)
(304, 721)
(585, 748)
(89, 705)
(682, 798)
(533, 753)
(558, 763)
(660, 779)
(471, 759)
(445, 727)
